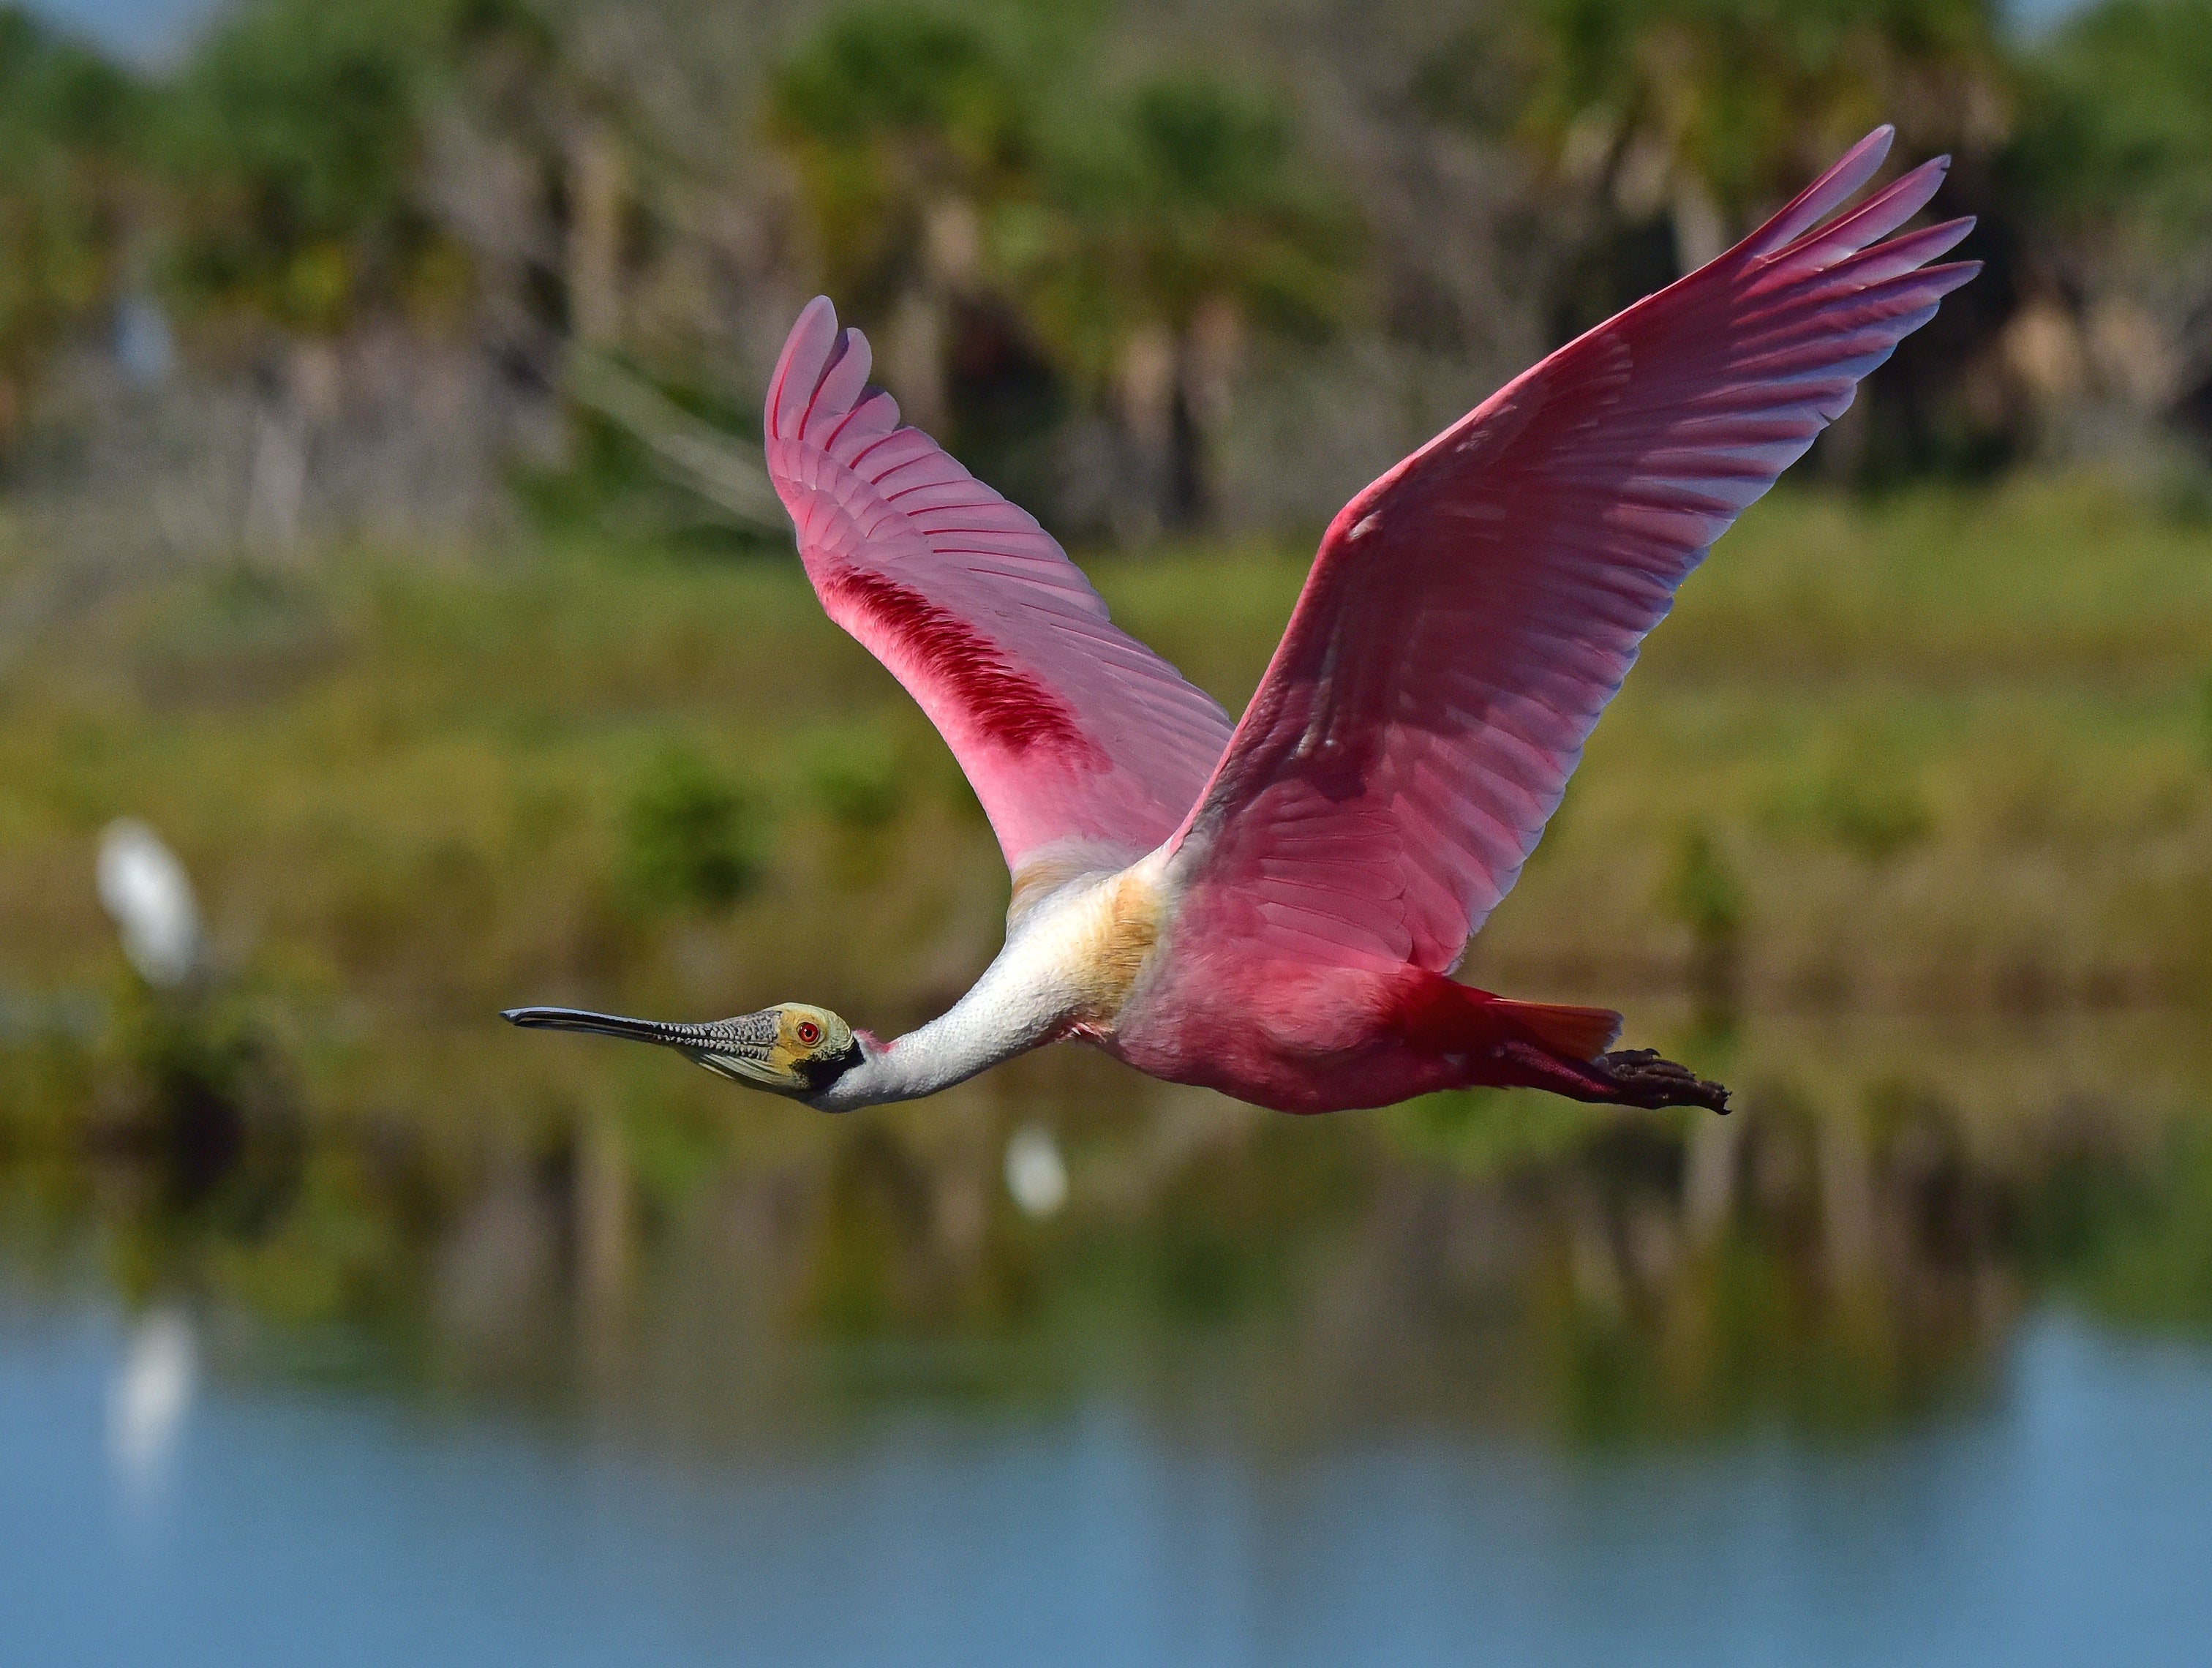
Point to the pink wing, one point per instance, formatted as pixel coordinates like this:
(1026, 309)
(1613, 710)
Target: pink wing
(1069, 729)
(1472, 611)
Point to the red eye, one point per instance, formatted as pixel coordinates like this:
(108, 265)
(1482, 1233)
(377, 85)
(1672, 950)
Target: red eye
(809, 1032)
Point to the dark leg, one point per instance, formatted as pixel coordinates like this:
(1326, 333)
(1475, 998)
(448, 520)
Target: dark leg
(1627, 1077)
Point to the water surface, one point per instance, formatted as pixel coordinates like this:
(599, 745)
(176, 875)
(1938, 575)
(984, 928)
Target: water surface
(2064, 1521)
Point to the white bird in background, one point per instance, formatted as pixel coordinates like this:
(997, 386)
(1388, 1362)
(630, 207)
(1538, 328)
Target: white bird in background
(147, 892)
(1037, 1175)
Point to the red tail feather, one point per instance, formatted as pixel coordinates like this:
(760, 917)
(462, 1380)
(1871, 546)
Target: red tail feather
(1579, 1033)
(1436, 1013)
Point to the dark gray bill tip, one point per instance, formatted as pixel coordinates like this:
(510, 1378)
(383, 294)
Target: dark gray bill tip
(601, 1025)
(548, 1018)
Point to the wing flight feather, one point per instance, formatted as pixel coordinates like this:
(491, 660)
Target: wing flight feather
(1084, 745)
(1471, 612)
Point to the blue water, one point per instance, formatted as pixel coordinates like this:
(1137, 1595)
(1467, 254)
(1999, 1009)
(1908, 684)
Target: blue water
(2069, 1521)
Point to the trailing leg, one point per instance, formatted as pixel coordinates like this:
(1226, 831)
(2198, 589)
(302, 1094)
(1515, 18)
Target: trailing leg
(1625, 1077)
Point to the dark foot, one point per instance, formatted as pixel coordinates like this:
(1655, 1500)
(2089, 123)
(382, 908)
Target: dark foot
(1626, 1077)
(1639, 1077)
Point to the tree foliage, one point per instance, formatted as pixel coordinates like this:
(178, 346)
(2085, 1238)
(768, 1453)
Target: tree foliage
(293, 145)
(1187, 194)
(893, 112)
(2117, 135)
(1129, 230)
(66, 119)
(1713, 111)
(1079, 218)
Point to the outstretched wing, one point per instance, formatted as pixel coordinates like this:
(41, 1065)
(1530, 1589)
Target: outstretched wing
(1472, 611)
(1075, 736)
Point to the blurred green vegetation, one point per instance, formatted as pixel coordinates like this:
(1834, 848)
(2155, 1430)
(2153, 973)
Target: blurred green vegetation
(67, 121)
(2116, 133)
(693, 834)
(1697, 116)
(957, 164)
(290, 141)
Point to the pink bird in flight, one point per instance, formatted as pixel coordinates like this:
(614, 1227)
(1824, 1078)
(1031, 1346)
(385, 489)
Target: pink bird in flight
(1273, 909)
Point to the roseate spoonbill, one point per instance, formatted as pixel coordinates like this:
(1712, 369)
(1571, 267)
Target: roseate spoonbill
(1272, 911)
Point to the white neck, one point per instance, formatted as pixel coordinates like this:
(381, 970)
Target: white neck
(1018, 1004)
(1057, 965)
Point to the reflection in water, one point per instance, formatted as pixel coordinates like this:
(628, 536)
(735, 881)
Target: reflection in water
(147, 1401)
(1852, 1248)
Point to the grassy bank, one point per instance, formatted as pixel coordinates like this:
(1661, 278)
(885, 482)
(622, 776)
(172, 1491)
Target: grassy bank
(1944, 754)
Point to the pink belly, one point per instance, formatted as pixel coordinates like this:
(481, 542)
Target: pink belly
(1292, 1037)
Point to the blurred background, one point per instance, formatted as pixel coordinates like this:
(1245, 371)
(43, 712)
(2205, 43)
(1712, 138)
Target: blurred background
(395, 626)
